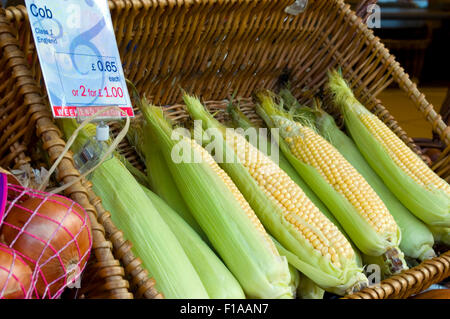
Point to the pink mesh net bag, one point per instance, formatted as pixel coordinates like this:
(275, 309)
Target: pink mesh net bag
(45, 242)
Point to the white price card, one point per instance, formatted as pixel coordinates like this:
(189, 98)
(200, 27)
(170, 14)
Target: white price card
(79, 57)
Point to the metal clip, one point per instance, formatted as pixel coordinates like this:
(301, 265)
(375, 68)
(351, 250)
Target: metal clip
(297, 7)
(89, 155)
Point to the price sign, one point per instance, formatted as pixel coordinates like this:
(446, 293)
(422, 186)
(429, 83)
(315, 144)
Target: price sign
(79, 57)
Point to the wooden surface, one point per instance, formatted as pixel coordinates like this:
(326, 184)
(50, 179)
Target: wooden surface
(403, 110)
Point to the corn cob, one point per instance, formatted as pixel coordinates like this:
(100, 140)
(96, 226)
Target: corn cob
(222, 212)
(136, 216)
(300, 284)
(336, 182)
(423, 192)
(217, 279)
(295, 280)
(320, 249)
(417, 241)
(159, 177)
(243, 122)
(306, 288)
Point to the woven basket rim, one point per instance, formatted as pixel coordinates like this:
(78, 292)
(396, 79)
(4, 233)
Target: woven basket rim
(16, 15)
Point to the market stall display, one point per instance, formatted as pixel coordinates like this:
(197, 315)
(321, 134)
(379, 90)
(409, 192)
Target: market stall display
(214, 50)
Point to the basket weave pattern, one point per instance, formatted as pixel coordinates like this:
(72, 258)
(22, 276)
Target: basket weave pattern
(25, 120)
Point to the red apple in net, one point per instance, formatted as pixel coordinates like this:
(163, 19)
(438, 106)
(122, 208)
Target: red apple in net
(56, 240)
(15, 275)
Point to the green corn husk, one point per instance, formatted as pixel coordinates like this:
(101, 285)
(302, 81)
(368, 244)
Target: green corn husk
(430, 204)
(306, 288)
(251, 257)
(417, 241)
(289, 101)
(340, 280)
(295, 280)
(363, 235)
(140, 177)
(381, 272)
(159, 178)
(441, 234)
(217, 279)
(137, 217)
(243, 122)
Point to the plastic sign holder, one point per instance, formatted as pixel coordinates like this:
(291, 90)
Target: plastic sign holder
(79, 58)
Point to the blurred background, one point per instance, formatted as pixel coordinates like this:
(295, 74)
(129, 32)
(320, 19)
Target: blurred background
(417, 32)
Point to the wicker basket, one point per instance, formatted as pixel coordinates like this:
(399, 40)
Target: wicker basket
(26, 127)
(218, 48)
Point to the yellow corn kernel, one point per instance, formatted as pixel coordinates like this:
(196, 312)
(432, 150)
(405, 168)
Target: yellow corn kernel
(208, 159)
(314, 150)
(403, 156)
(419, 189)
(298, 209)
